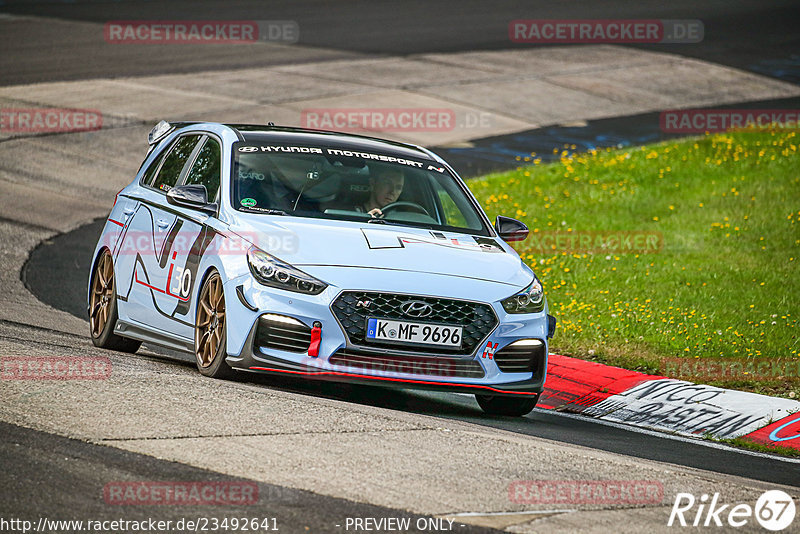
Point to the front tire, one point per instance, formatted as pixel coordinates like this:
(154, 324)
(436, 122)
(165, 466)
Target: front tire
(209, 330)
(510, 406)
(103, 308)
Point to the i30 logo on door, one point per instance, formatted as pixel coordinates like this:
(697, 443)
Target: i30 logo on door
(416, 308)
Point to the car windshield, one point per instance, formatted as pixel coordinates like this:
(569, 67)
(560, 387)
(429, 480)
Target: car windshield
(331, 183)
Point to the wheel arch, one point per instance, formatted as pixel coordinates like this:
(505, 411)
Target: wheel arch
(207, 272)
(98, 253)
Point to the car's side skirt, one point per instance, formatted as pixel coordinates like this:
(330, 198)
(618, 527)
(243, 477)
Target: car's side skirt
(143, 333)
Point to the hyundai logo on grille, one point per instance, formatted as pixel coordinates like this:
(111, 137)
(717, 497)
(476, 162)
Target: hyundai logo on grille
(416, 308)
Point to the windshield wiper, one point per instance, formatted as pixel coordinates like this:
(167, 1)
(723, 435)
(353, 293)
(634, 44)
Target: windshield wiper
(266, 211)
(406, 224)
(375, 220)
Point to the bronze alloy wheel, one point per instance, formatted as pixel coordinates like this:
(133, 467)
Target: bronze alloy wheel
(103, 308)
(102, 295)
(209, 330)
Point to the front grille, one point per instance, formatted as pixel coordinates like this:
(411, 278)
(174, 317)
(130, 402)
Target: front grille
(477, 319)
(411, 365)
(282, 335)
(520, 358)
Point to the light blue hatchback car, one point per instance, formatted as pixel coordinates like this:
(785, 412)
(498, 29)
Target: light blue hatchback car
(321, 255)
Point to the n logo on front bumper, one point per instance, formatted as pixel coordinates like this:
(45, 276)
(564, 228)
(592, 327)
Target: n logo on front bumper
(488, 351)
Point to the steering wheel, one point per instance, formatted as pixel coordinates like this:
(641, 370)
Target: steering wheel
(412, 206)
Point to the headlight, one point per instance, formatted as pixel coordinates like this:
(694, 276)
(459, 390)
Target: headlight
(273, 272)
(529, 300)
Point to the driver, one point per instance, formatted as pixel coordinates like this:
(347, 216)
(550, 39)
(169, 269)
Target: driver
(385, 188)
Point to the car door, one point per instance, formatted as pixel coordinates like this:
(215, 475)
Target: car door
(150, 238)
(191, 238)
(129, 242)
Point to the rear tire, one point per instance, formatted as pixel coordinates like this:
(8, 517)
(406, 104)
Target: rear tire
(103, 308)
(209, 330)
(510, 406)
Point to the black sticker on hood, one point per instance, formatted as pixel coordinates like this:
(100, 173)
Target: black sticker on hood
(488, 244)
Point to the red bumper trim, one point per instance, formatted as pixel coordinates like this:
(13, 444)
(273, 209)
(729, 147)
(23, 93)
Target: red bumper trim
(387, 379)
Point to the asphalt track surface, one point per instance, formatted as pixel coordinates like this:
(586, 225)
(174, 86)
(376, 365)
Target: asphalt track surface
(750, 34)
(57, 274)
(73, 474)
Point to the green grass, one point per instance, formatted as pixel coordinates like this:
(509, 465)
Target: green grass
(723, 287)
(743, 443)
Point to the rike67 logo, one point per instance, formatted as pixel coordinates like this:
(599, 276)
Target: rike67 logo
(774, 510)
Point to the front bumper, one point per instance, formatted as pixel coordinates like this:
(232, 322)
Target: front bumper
(340, 360)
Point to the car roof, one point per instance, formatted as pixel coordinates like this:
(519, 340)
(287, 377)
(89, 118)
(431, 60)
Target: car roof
(254, 133)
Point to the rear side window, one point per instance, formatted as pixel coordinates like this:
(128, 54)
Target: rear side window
(147, 178)
(206, 168)
(174, 162)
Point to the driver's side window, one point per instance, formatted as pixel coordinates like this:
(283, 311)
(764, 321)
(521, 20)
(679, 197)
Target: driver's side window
(206, 168)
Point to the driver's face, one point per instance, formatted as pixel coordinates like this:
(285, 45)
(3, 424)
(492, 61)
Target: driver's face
(386, 188)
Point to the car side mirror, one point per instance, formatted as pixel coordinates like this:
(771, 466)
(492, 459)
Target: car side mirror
(192, 196)
(510, 229)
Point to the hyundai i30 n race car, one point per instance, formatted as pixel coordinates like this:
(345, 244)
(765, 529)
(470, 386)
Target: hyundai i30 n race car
(322, 255)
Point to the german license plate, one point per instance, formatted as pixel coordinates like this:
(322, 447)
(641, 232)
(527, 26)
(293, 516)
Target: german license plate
(408, 332)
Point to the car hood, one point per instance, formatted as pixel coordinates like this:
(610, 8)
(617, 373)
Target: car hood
(307, 243)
